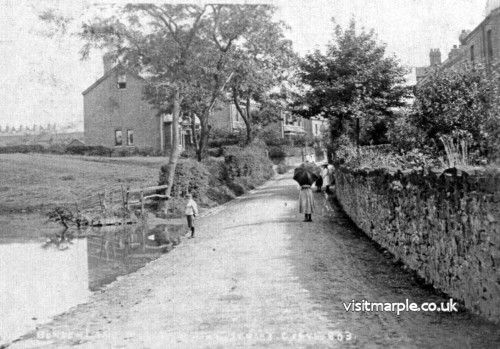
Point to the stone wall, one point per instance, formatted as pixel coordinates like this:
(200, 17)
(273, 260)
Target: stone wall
(443, 226)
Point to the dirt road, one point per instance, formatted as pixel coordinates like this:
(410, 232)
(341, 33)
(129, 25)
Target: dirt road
(257, 276)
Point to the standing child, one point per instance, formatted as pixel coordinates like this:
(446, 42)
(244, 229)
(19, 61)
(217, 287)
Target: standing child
(191, 212)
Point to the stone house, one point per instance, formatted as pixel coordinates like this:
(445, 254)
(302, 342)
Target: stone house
(116, 115)
(479, 46)
(225, 117)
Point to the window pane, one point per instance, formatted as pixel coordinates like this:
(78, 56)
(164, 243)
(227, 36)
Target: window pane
(122, 81)
(490, 44)
(130, 137)
(118, 137)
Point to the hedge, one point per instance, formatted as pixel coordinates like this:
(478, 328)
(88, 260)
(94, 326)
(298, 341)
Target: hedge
(191, 176)
(250, 162)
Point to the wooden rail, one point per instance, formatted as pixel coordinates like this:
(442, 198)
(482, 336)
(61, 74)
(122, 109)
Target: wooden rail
(142, 196)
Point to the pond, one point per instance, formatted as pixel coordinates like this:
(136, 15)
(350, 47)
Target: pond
(40, 278)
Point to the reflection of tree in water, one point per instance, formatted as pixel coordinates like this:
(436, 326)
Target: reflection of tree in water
(113, 251)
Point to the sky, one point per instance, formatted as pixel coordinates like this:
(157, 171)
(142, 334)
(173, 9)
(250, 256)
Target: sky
(42, 78)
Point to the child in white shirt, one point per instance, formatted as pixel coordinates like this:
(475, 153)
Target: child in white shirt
(191, 212)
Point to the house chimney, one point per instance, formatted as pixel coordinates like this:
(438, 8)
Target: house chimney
(435, 57)
(108, 62)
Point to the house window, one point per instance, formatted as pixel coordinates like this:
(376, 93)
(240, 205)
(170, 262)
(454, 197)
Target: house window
(130, 137)
(490, 44)
(118, 137)
(472, 54)
(122, 81)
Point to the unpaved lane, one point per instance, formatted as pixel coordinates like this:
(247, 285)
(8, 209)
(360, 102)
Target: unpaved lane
(258, 276)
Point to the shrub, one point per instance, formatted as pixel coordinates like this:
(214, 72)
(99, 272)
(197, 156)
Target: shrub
(465, 100)
(250, 162)
(99, 150)
(277, 152)
(191, 176)
(215, 167)
(281, 168)
(23, 148)
(77, 149)
(188, 153)
(214, 152)
(221, 138)
(271, 137)
(405, 136)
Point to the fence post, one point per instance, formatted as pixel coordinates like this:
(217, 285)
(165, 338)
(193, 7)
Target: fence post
(127, 198)
(142, 203)
(104, 200)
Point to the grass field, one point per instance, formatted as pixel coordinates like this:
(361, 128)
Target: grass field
(32, 182)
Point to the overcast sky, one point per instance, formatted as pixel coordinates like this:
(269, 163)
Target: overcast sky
(42, 79)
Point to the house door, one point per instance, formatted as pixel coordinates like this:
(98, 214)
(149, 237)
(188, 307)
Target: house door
(167, 136)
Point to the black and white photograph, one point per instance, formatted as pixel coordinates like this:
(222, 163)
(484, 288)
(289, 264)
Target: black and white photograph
(250, 174)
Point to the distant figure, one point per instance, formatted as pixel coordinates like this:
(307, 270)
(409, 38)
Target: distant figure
(327, 179)
(306, 202)
(319, 183)
(191, 212)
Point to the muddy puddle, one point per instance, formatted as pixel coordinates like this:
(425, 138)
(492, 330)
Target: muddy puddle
(51, 270)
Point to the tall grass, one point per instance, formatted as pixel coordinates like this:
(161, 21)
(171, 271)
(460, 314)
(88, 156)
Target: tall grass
(457, 151)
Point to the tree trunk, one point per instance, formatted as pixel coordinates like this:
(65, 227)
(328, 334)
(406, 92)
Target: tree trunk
(193, 133)
(174, 151)
(204, 134)
(249, 125)
(243, 115)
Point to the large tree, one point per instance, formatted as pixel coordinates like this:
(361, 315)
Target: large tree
(262, 64)
(354, 83)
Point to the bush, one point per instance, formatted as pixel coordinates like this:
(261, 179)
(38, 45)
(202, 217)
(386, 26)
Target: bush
(281, 169)
(214, 152)
(251, 162)
(215, 167)
(99, 150)
(465, 100)
(191, 176)
(188, 153)
(277, 152)
(271, 137)
(221, 138)
(23, 148)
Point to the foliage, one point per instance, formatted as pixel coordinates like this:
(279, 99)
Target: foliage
(23, 148)
(353, 80)
(215, 167)
(277, 152)
(456, 147)
(376, 157)
(191, 176)
(265, 61)
(250, 163)
(221, 138)
(271, 137)
(460, 100)
(404, 135)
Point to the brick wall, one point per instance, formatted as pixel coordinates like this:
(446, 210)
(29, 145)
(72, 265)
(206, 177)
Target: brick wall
(445, 227)
(108, 108)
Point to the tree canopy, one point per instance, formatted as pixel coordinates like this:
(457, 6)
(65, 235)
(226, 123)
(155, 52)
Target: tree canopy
(354, 83)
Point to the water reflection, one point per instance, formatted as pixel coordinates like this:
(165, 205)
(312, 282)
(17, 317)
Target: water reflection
(39, 281)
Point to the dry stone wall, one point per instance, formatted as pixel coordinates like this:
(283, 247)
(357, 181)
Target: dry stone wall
(444, 226)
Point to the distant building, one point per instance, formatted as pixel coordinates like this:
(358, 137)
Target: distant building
(434, 61)
(117, 116)
(479, 46)
(226, 117)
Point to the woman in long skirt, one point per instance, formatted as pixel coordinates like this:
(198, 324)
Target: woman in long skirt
(306, 202)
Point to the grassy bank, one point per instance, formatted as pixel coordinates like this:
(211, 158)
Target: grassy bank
(30, 182)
